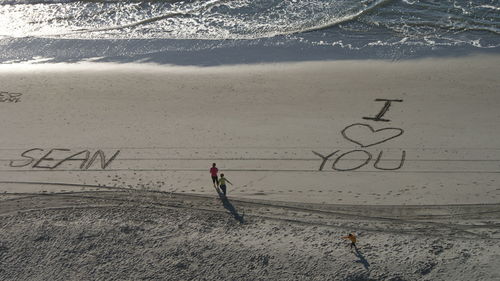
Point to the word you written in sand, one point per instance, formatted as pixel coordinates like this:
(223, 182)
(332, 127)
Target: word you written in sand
(364, 135)
(7, 97)
(38, 158)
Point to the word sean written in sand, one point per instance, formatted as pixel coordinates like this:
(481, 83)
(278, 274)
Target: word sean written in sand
(38, 158)
(7, 97)
(364, 135)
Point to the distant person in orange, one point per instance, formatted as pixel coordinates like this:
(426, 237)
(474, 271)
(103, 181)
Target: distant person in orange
(213, 173)
(223, 183)
(351, 237)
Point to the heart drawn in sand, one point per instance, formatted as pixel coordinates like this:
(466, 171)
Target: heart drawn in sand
(365, 136)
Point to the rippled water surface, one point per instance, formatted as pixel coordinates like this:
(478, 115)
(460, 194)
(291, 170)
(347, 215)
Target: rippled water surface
(345, 24)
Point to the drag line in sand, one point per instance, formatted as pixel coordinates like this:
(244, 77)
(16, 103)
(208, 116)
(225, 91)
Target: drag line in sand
(289, 205)
(484, 220)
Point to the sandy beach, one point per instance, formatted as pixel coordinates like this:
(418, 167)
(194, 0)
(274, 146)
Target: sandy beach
(105, 171)
(133, 235)
(287, 132)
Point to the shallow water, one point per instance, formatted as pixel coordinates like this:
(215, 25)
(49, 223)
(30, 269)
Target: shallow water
(131, 29)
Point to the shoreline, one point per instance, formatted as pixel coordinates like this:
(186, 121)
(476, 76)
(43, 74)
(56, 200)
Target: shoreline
(207, 53)
(39, 63)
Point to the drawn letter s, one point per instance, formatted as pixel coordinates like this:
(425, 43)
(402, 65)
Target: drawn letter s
(25, 156)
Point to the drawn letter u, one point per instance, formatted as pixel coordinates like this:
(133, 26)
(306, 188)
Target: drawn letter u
(403, 156)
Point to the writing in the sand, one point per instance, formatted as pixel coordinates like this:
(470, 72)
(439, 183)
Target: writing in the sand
(39, 158)
(364, 135)
(10, 97)
(385, 108)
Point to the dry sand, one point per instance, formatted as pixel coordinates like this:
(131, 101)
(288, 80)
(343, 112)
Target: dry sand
(153, 214)
(131, 235)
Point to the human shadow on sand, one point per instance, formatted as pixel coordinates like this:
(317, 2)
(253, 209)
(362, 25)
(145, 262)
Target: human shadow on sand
(362, 260)
(229, 206)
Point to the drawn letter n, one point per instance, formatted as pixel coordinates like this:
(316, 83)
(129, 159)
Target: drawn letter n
(101, 154)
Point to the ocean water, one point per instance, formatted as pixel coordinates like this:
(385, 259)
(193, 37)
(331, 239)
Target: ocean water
(235, 31)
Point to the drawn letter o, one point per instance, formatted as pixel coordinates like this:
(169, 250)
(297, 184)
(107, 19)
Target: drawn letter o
(368, 158)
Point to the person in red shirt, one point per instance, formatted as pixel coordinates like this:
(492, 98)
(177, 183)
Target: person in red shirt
(213, 172)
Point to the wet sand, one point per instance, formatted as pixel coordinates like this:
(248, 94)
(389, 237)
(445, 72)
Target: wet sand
(288, 132)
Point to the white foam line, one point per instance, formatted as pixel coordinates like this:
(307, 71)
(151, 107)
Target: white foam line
(153, 19)
(489, 7)
(338, 20)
